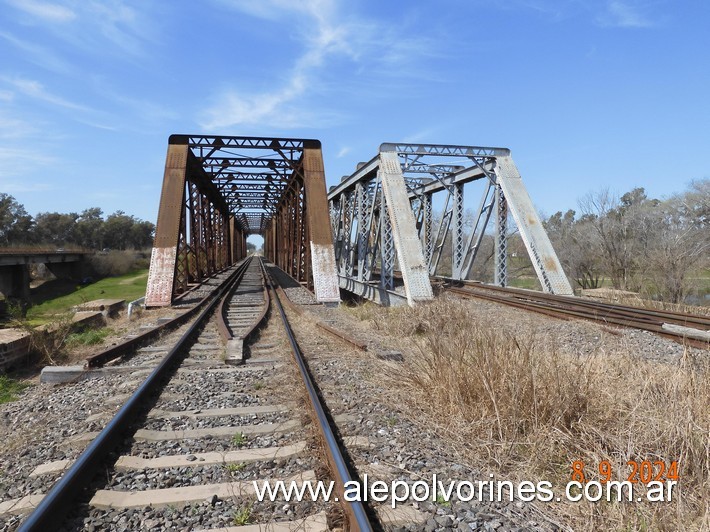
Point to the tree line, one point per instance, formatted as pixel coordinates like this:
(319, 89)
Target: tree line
(635, 242)
(88, 229)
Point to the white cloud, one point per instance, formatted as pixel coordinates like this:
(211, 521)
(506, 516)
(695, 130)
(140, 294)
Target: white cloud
(234, 107)
(12, 128)
(34, 89)
(343, 152)
(19, 161)
(80, 113)
(324, 34)
(607, 13)
(50, 12)
(94, 26)
(118, 23)
(38, 54)
(15, 188)
(423, 135)
(624, 15)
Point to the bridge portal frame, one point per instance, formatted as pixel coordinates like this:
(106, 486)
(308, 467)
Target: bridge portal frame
(362, 213)
(219, 189)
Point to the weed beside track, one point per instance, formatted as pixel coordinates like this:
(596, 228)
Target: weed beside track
(518, 404)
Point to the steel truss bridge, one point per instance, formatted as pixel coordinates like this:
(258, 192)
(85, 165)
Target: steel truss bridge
(217, 190)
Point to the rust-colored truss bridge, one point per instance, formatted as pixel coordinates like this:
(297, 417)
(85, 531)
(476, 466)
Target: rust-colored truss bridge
(217, 190)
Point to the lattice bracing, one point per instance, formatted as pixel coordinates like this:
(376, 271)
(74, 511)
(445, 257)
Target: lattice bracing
(453, 241)
(217, 190)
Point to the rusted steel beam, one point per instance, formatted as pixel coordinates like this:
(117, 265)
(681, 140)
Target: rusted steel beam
(226, 194)
(163, 260)
(325, 278)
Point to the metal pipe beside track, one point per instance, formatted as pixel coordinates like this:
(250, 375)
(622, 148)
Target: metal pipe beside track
(55, 505)
(359, 520)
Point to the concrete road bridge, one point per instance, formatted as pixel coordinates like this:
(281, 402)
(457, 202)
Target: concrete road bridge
(218, 190)
(15, 268)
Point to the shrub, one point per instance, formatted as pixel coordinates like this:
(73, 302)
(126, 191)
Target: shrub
(113, 263)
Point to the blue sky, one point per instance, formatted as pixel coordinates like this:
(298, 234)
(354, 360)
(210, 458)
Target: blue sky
(586, 93)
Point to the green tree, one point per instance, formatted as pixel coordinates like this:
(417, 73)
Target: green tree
(89, 229)
(117, 230)
(56, 228)
(16, 226)
(142, 234)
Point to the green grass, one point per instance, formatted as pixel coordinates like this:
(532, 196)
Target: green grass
(530, 283)
(242, 516)
(235, 467)
(9, 389)
(239, 439)
(88, 337)
(129, 287)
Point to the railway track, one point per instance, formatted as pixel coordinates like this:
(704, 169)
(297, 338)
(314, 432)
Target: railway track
(687, 329)
(184, 449)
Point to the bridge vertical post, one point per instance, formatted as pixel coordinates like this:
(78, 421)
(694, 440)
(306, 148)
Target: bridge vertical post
(322, 254)
(457, 237)
(234, 246)
(427, 244)
(362, 230)
(387, 252)
(501, 242)
(163, 260)
(351, 246)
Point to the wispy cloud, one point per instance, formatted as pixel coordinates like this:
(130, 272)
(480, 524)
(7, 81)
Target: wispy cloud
(13, 128)
(624, 14)
(145, 112)
(34, 89)
(48, 11)
(15, 188)
(20, 161)
(276, 107)
(327, 34)
(423, 135)
(93, 26)
(38, 54)
(342, 152)
(605, 13)
(120, 24)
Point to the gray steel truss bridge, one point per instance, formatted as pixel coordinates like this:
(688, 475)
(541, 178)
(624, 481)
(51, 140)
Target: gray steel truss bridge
(378, 221)
(382, 217)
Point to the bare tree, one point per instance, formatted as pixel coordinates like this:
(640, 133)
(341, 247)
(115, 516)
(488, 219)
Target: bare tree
(680, 243)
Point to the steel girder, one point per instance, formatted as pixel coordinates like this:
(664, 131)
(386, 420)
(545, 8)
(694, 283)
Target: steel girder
(449, 169)
(219, 189)
(376, 231)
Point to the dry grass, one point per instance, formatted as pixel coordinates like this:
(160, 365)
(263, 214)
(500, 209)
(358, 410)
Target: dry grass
(527, 411)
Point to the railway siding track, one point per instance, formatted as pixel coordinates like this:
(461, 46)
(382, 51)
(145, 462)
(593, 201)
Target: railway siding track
(687, 329)
(211, 430)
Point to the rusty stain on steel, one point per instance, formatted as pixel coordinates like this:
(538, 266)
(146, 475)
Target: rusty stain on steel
(217, 190)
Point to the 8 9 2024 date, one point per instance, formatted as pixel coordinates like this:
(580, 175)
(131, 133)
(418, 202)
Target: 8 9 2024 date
(639, 472)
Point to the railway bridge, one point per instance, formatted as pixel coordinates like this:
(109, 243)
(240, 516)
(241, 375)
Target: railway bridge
(218, 190)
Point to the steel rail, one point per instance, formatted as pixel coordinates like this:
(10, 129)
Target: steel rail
(107, 355)
(564, 306)
(55, 505)
(358, 518)
(224, 329)
(678, 318)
